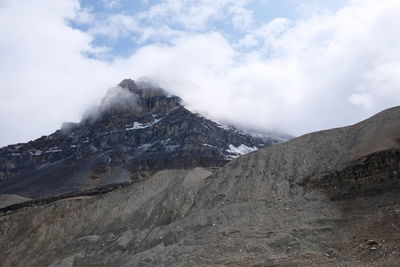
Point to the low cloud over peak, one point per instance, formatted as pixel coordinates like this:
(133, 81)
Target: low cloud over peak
(327, 69)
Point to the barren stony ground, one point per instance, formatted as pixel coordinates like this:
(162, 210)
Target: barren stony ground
(6, 200)
(329, 198)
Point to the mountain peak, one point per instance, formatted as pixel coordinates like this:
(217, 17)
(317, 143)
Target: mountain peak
(133, 99)
(143, 88)
(137, 130)
(128, 84)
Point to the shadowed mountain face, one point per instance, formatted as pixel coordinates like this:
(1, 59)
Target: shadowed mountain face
(137, 130)
(329, 198)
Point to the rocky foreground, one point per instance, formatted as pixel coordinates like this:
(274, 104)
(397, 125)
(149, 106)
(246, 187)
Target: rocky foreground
(329, 198)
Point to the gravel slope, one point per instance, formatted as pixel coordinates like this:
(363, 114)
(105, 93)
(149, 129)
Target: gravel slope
(7, 200)
(329, 198)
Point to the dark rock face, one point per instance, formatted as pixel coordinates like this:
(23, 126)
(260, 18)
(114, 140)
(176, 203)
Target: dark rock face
(137, 130)
(370, 175)
(328, 198)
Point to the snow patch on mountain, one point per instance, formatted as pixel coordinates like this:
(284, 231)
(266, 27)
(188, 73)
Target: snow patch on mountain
(240, 150)
(138, 125)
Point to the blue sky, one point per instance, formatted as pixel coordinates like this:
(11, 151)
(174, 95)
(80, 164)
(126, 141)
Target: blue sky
(268, 65)
(259, 11)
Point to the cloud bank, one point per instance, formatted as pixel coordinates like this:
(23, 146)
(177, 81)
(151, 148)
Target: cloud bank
(324, 70)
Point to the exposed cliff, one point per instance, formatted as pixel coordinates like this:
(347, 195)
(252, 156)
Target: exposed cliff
(324, 199)
(137, 130)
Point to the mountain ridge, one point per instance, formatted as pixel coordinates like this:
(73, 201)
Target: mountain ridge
(324, 199)
(137, 130)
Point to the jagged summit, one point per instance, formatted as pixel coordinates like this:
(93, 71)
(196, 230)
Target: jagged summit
(129, 84)
(134, 99)
(142, 87)
(137, 129)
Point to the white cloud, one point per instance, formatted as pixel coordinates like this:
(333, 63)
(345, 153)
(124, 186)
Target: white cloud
(266, 34)
(363, 100)
(110, 4)
(116, 25)
(171, 18)
(45, 77)
(323, 71)
(241, 17)
(121, 25)
(195, 14)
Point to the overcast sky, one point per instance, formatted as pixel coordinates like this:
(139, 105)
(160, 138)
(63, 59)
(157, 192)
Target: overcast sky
(288, 65)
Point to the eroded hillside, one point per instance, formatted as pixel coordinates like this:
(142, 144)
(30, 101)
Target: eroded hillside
(324, 199)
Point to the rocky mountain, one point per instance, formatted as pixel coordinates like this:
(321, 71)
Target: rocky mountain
(137, 130)
(329, 198)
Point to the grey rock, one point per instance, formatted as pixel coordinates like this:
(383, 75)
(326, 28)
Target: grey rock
(137, 130)
(278, 206)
